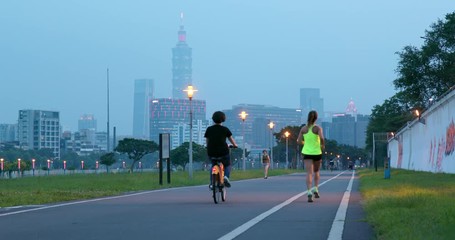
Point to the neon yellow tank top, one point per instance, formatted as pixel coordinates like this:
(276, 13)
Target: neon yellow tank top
(312, 144)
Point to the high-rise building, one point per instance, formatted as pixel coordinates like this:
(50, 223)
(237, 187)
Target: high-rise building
(39, 129)
(255, 128)
(181, 65)
(143, 94)
(181, 133)
(310, 99)
(8, 132)
(165, 113)
(348, 128)
(87, 121)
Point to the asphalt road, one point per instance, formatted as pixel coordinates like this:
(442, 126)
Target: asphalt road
(273, 208)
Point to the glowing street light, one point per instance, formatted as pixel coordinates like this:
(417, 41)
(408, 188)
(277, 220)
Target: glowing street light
(287, 134)
(243, 115)
(271, 125)
(418, 114)
(190, 91)
(64, 166)
(33, 166)
(19, 165)
(48, 166)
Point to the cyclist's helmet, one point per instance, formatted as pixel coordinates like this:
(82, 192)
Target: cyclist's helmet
(218, 117)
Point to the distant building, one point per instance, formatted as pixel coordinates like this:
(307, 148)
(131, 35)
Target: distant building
(8, 132)
(143, 95)
(257, 132)
(310, 99)
(181, 65)
(348, 128)
(87, 121)
(181, 133)
(39, 129)
(84, 142)
(165, 113)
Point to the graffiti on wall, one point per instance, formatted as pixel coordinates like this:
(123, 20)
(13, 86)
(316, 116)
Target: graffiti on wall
(442, 147)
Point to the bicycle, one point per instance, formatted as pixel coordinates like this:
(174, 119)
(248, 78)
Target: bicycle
(218, 188)
(217, 182)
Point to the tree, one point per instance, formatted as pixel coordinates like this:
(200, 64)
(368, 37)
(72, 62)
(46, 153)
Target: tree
(293, 147)
(179, 155)
(107, 159)
(388, 117)
(136, 149)
(426, 73)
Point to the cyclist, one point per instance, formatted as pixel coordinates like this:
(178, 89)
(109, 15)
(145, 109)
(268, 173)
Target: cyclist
(215, 137)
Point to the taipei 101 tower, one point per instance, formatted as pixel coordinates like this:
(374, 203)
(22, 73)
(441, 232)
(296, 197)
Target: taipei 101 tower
(181, 64)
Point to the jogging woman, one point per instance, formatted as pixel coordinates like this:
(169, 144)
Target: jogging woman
(312, 139)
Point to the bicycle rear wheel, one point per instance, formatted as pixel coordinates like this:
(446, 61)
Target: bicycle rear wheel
(215, 187)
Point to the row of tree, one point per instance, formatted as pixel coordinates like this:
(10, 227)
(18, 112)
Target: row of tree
(425, 74)
(132, 151)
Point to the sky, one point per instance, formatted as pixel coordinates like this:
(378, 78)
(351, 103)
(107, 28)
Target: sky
(54, 54)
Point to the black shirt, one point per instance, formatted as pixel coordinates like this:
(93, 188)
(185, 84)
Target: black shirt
(216, 144)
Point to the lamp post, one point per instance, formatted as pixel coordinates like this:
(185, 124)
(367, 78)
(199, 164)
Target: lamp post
(64, 167)
(190, 91)
(33, 166)
(48, 166)
(1, 165)
(271, 125)
(286, 134)
(19, 166)
(243, 115)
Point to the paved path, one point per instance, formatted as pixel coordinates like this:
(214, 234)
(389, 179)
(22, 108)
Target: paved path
(273, 208)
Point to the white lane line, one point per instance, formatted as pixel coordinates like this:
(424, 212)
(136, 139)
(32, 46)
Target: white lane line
(85, 201)
(243, 228)
(336, 232)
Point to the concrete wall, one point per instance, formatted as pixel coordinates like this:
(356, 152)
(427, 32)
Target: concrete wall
(430, 146)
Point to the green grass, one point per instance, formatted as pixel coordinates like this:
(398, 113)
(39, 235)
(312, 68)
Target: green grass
(51, 189)
(409, 205)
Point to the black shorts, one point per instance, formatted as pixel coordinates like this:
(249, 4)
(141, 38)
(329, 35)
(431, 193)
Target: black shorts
(226, 160)
(312, 157)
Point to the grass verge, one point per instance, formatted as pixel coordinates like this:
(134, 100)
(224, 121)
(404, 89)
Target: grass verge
(409, 205)
(51, 189)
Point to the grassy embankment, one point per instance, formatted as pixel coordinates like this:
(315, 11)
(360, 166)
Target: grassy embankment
(51, 189)
(409, 205)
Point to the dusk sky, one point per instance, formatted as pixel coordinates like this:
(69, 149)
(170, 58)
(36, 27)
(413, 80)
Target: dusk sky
(54, 54)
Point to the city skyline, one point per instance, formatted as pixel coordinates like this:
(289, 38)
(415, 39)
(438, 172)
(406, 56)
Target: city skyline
(54, 59)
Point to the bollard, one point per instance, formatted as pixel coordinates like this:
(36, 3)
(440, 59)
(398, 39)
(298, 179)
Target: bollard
(387, 169)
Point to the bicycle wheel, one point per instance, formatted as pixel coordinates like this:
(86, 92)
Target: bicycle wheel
(215, 185)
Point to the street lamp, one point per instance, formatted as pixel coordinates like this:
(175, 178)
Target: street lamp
(1, 165)
(33, 166)
(190, 91)
(286, 134)
(421, 120)
(48, 166)
(64, 167)
(271, 125)
(19, 166)
(243, 115)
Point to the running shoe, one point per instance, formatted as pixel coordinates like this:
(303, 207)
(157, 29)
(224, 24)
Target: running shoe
(310, 198)
(316, 194)
(227, 183)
